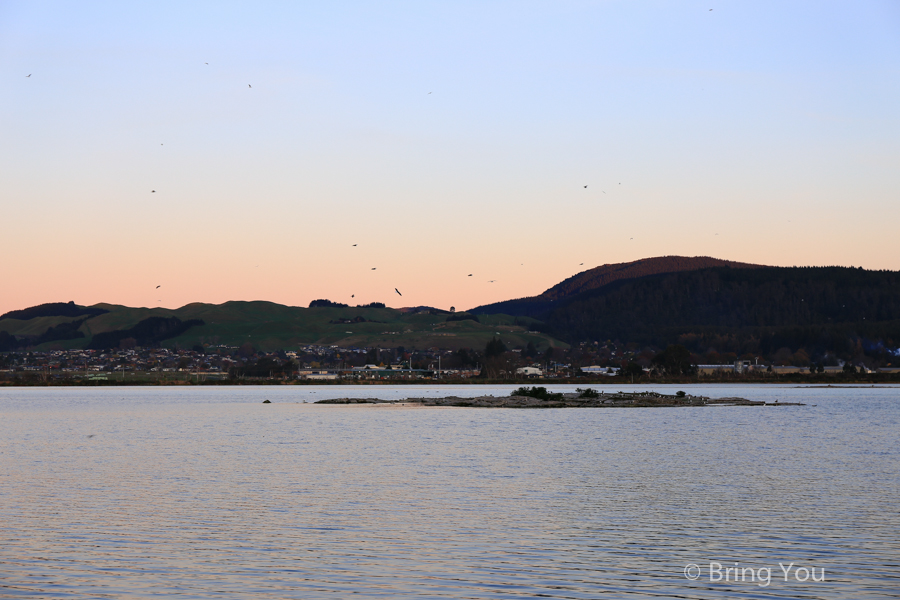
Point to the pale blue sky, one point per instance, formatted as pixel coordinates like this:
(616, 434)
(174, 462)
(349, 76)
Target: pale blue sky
(759, 131)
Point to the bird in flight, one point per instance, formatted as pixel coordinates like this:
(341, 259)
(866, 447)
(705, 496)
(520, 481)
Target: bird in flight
(353, 295)
(205, 63)
(580, 264)
(398, 292)
(249, 86)
(492, 280)
(429, 92)
(710, 10)
(470, 274)
(29, 75)
(152, 191)
(157, 287)
(354, 244)
(373, 268)
(585, 187)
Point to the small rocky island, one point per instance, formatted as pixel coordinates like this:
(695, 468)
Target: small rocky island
(539, 397)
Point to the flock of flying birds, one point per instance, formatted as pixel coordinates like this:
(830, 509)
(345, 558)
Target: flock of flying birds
(354, 245)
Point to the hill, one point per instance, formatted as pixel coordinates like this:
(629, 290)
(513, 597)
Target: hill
(710, 306)
(601, 276)
(266, 325)
(838, 310)
(52, 309)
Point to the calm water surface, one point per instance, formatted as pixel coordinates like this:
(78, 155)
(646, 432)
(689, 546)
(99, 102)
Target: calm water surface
(208, 493)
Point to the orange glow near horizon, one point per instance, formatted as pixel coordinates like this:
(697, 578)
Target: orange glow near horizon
(137, 154)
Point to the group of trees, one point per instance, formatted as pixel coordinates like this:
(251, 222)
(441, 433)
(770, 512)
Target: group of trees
(149, 332)
(492, 359)
(267, 366)
(674, 360)
(8, 342)
(322, 303)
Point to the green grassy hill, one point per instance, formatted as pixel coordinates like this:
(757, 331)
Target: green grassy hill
(269, 326)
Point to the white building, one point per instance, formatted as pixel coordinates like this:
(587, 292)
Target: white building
(596, 370)
(529, 371)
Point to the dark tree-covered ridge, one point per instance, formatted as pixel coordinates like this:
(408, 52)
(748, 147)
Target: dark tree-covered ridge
(63, 331)
(601, 276)
(53, 309)
(821, 307)
(606, 274)
(149, 332)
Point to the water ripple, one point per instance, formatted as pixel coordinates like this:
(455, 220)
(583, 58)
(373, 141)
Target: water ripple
(206, 492)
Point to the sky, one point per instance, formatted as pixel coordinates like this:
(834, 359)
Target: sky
(293, 151)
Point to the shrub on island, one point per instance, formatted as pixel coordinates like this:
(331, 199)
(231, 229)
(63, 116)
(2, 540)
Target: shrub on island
(540, 393)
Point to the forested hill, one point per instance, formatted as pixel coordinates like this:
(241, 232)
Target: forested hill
(822, 309)
(604, 275)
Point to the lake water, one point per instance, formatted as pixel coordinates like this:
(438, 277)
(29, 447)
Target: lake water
(208, 493)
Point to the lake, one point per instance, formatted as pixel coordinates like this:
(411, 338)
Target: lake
(206, 492)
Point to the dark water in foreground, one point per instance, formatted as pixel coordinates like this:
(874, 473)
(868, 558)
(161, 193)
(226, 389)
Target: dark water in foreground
(207, 493)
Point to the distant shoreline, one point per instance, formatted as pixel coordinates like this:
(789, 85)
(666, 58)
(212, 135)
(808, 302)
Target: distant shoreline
(815, 382)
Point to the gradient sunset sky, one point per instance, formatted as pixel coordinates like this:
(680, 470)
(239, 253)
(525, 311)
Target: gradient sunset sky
(443, 138)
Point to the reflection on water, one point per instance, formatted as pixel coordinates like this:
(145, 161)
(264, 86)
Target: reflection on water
(207, 492)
